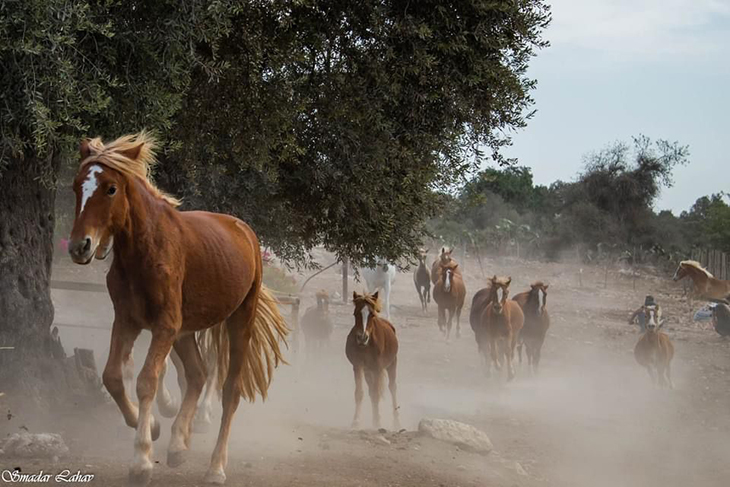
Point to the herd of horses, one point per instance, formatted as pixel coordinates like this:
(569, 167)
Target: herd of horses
(194, 280)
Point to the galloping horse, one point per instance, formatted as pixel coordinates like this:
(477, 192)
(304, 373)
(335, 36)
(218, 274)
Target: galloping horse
(380, 277)
(706, 286)
(422, 280)
(317, 325)
(654, 349)
(174, 273)
(449, 294)
(503, 321)
(372, 349)
(537, 322)
(479, 303)
(444, 259)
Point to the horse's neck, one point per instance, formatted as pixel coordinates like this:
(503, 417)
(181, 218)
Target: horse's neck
(698, 277)
(136, 238)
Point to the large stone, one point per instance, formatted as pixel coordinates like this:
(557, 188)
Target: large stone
(30, 445)
(457, 433)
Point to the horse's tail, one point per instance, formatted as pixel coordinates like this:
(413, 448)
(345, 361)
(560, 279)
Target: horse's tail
(261, 352)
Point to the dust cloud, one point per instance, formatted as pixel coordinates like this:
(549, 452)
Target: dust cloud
(590, 418)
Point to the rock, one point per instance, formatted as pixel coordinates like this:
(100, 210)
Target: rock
(457, 433)
(33, 445)
(520, 470)
(382, 439)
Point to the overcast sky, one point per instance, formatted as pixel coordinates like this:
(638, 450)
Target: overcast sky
(618, 68)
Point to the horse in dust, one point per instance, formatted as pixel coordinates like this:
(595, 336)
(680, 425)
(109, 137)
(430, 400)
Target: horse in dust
(479, 303)
(706, 286)
(654, 349)
(317, 325)
(502, 322)
(444, 259)
(372, 349)
(537, 322)
(174, 273)
(422, 280)
(380, 278)
(449, 294)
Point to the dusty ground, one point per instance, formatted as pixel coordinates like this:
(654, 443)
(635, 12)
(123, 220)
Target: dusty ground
(591, 418)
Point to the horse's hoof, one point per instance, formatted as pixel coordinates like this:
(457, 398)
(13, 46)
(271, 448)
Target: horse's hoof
(216, 477)
(176, 458)
(141, 478)
(201, 426)
(155, 429)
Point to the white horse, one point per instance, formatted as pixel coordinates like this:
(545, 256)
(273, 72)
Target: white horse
(380, 277)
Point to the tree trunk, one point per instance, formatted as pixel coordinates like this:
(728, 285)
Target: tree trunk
(26, 255)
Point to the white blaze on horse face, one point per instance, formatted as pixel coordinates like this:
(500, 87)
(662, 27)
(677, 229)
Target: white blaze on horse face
(89, 187)
(651, 322)
(365, 314)
(541, 296)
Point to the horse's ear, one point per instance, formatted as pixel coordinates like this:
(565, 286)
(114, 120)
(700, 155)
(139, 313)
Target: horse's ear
(133, 152)
(509, 281)
(546, 286)
(84, 149)
(443, 250)
(427, 250)
(375, 296)
(354, 295)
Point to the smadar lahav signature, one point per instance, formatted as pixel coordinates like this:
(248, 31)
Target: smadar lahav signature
(64, 476)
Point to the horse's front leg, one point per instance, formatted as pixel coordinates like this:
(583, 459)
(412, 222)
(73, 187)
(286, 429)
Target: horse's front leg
(187, 349)
(449, 323)
(113, 377)
(373, 378)
(358, 371)
(458, 322)
(140, 472)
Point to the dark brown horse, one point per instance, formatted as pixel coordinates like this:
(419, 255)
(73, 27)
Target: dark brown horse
(478, 306)
(503, 320)
(537, 322)
(449, 294)
(372, 349)
(174, 273)
(317, 325)
(422, 280)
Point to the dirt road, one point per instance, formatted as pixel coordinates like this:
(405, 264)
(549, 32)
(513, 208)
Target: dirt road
(591, 418)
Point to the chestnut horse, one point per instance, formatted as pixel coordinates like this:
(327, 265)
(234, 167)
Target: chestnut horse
(654, 349)
(537, 322)
(372, 349)
(449, 294)
(422, 280)
(503, 320)
(706, 286)
(444, 259)
(174, 273)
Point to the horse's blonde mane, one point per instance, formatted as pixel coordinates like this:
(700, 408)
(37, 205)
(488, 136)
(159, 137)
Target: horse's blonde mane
(502, 281)
(370, 301)
(696, 265)
(537, 284)
(112, 154)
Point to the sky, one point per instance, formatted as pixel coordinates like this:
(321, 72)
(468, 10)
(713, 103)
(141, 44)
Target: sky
(619, 68)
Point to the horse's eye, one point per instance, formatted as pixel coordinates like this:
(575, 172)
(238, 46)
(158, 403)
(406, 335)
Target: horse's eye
(111, 191)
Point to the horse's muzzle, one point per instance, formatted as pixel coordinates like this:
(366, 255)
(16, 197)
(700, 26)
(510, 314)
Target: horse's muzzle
(81, 251)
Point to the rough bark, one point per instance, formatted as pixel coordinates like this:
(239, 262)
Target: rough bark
(26, 254)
